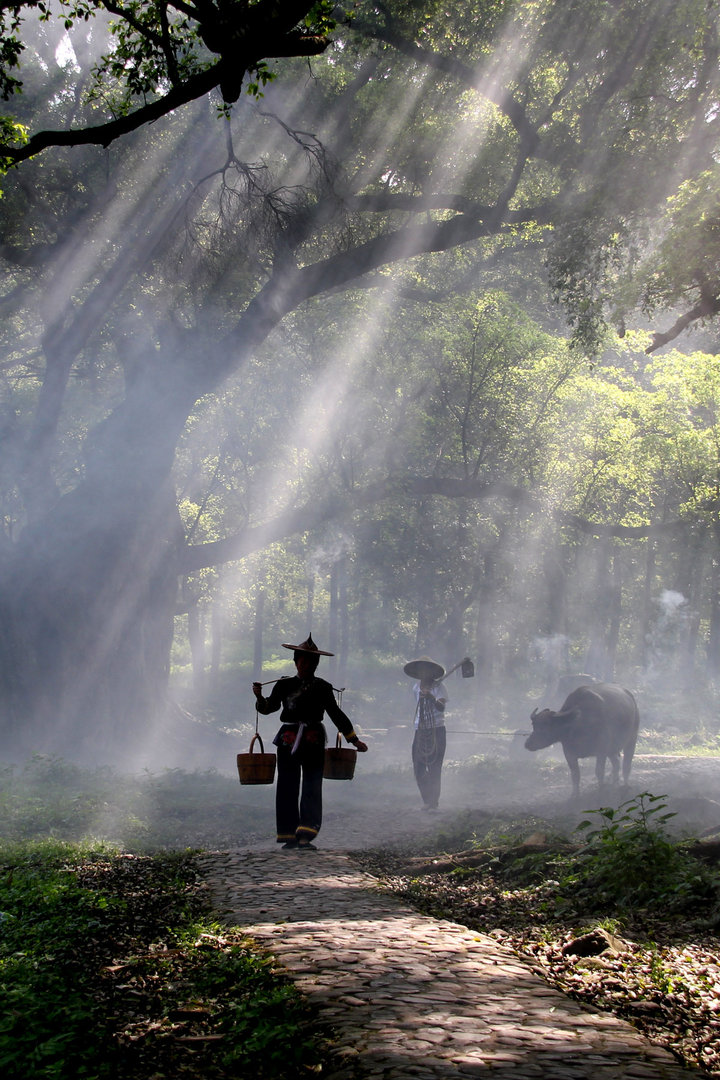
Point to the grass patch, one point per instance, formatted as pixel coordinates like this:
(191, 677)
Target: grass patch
(49, 797)
(110, 965)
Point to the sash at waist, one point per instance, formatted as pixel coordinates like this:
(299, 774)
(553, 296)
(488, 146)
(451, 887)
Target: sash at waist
(292, 734)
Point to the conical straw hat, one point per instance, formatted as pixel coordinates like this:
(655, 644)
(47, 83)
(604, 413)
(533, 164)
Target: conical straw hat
(308, 646)
(424, 668)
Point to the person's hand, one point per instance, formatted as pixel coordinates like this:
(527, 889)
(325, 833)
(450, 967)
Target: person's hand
(257, 689)
(360, 745)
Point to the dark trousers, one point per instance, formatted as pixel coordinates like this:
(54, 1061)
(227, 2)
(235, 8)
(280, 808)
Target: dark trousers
(298, 795)
(428, 751)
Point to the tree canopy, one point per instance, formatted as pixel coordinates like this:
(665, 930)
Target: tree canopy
(260, 250)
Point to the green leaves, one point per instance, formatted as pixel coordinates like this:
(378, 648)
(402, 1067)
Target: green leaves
(11, 134)
(109, 965)
(631, 862)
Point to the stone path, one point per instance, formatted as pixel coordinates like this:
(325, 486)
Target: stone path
(409, 996)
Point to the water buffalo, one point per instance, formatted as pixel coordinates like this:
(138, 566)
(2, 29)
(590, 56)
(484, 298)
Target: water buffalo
(599, 721)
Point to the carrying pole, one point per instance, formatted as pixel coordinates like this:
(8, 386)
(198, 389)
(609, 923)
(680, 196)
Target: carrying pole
(271, 682)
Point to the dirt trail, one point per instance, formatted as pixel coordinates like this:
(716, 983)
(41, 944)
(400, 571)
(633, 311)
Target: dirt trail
(384, 810)
(410, 996)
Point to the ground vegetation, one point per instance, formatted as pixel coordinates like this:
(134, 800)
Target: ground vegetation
(622, 913)
(112, 964)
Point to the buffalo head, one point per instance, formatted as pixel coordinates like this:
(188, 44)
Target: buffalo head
(548, 727)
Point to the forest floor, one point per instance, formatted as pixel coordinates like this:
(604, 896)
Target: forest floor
(491, 859)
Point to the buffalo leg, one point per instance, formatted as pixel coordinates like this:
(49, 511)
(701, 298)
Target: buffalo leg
(615, 762)
(574, 767)
(628, 758)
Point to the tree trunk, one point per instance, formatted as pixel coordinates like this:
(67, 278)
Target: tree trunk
(596, 661)
(258, 633)
(647, 604)
(689, 674)
(196, 641)
(333, 627)
(554, 628)
(344, 618)
(713, 648)
(361, 615)
(217, 627)
(87, 613)
(88, 593)
(615, 604)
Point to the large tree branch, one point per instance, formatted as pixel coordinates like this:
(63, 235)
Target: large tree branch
(313, 514)
(384, 202)
(707, 306)
(317, 512)
(103, 134)
(291, 286)
(624, 532)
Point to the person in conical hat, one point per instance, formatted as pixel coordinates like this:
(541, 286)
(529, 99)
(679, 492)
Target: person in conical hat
(429, 737)
(424, 667)
(308, 646)
(300, 743)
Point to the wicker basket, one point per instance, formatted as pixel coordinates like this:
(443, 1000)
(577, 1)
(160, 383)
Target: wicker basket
(339, 762)
(256, 768)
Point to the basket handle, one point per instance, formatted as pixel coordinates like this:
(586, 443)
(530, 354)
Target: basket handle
(252, 743)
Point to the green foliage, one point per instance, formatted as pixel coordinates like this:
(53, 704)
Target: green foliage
(47, 1012)
(685, 266)
(155, 46)
(11, 134)
(50, 797)
(109, 966)
(630, 861)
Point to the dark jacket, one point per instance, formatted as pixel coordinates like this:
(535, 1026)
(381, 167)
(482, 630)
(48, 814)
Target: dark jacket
(305, 703)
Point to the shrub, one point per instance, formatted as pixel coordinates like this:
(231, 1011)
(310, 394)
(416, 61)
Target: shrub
(631, 861)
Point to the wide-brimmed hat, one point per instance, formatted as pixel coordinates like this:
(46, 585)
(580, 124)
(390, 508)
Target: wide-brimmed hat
(424, 668)
(308, 646)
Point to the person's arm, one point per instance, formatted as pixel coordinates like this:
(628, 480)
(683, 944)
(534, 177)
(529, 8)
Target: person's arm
(342, 722)
(272, 702)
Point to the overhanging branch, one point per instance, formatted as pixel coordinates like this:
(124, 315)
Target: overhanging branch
(705, 308)
(103, 134)
(315, 513)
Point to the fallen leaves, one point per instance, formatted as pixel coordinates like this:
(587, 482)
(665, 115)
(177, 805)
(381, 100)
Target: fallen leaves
(662, 976)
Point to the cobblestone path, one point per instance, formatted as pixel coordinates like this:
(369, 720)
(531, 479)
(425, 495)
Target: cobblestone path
(409, 996)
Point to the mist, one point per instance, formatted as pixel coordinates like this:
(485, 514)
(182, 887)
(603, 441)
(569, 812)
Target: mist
(371, 357)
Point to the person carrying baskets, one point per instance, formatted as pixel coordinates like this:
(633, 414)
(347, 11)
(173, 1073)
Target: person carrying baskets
(300, 743)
